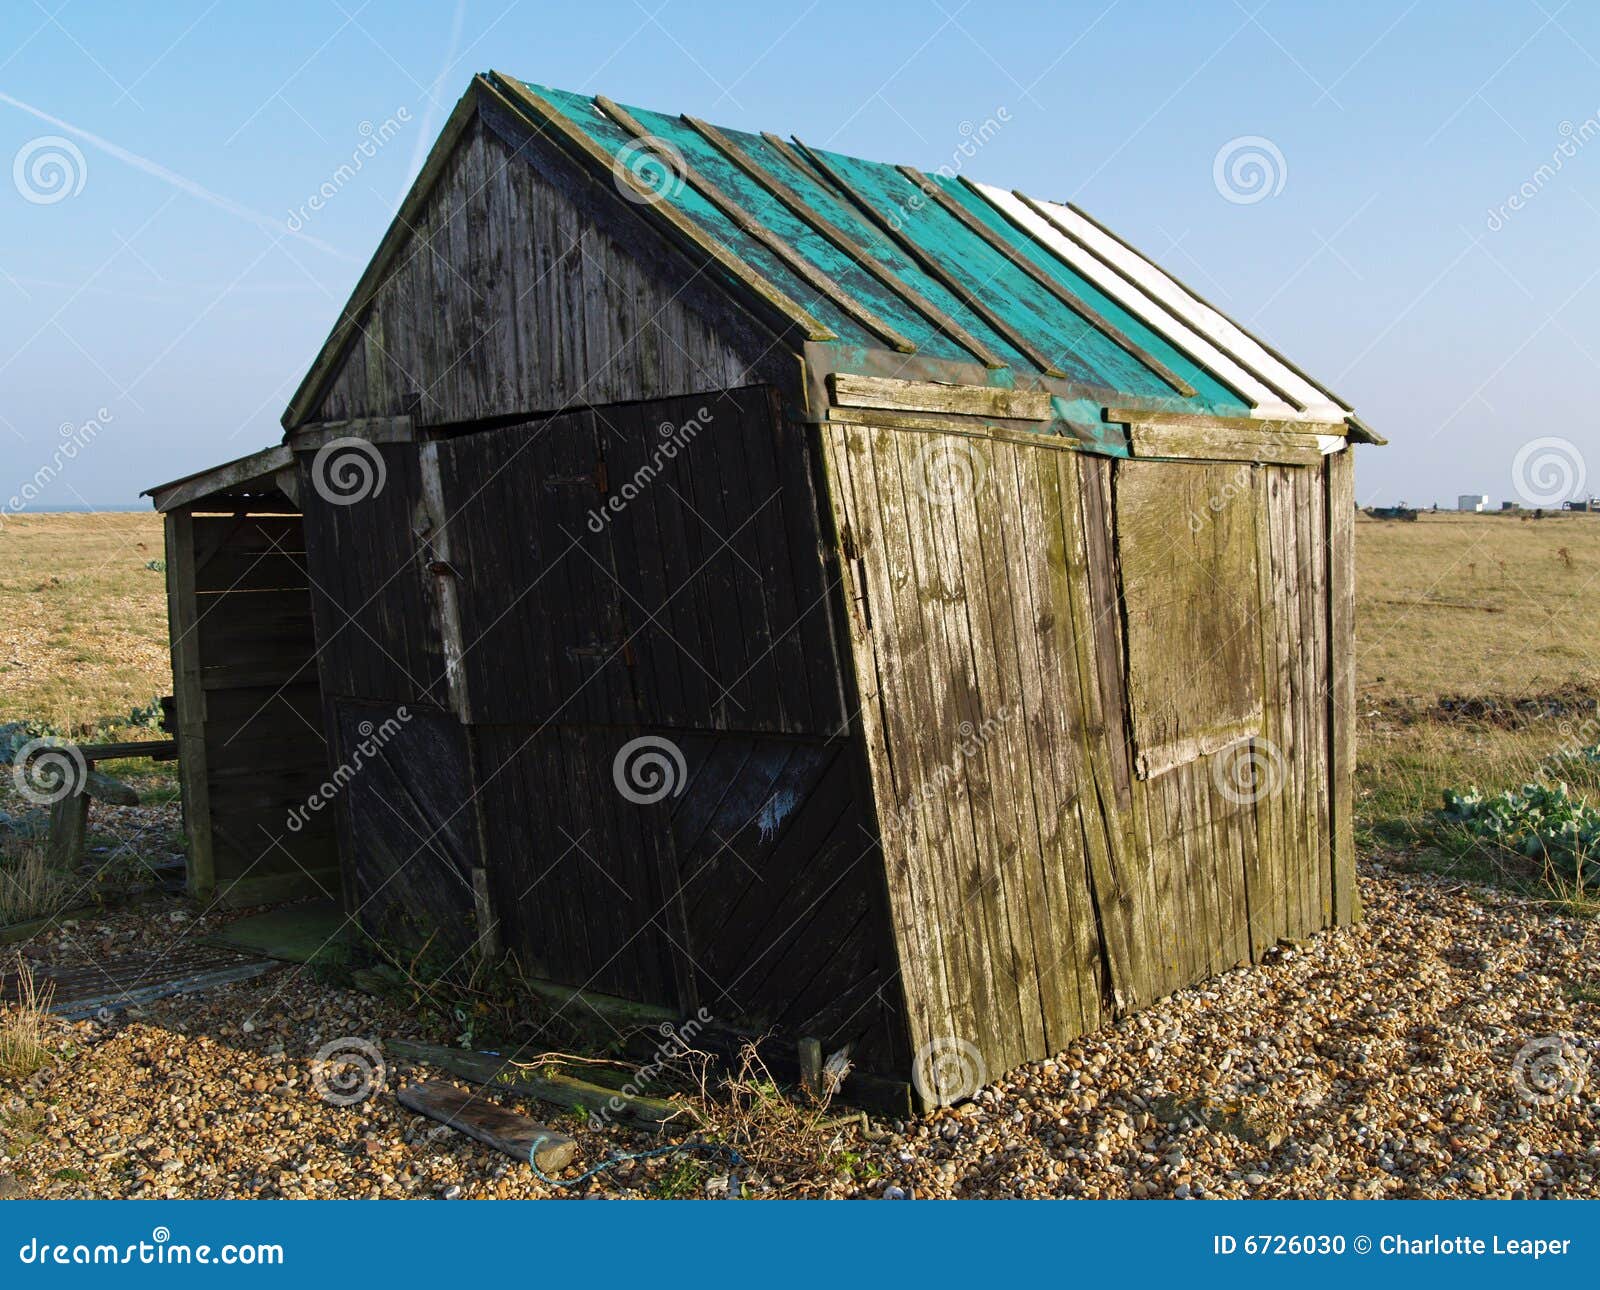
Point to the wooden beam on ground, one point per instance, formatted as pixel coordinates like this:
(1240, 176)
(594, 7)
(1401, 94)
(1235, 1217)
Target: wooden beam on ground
(562, 1090)
(850, 245)
(929, 396)
(1086, 315)
(518, 1136)
(935, 268)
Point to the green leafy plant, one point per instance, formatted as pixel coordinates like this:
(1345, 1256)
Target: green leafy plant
(1542, 822)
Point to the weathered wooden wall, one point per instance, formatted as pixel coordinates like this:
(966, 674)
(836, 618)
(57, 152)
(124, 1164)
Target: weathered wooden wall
(651, 570)
(1037, 872)
(251, 740)
(511, 296)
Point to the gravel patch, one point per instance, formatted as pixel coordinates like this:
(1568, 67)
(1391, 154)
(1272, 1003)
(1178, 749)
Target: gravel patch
(1381, 1060)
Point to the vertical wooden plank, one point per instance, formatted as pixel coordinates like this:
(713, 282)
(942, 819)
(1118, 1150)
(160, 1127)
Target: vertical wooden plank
(1046, 994)
(890, 685)
(1342, 684)
(935, 496)
(1120, 891)
(190, 700)
(1050, 717)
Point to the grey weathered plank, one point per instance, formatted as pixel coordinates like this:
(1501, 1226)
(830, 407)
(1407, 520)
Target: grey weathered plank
(488, 1122)
(1342, 679)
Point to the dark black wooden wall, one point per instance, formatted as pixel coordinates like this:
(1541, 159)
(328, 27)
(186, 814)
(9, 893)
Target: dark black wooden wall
(642, 572)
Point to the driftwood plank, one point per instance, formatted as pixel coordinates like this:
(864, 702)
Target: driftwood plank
(562, 1090)
(489, 1123)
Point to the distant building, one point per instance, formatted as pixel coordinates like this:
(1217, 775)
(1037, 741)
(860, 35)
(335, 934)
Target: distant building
(1472, 502)
(1591, 504)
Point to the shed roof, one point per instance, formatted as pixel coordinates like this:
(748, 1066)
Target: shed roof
(867, 256)
(892, 257)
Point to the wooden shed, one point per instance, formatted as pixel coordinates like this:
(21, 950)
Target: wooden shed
(863, 604)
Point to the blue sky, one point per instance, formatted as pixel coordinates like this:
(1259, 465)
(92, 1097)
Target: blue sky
(160, 297)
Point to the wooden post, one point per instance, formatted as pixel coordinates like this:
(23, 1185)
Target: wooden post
(811, 1066)
(190, 699)
(1342, 683)
(69, 827)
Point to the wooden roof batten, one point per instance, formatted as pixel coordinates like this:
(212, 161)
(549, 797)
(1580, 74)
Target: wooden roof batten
(935, 269)
(1082, 311)
(552, 121)
(1180, 341)
(850, 245)
(1364, 433)
(747, 223)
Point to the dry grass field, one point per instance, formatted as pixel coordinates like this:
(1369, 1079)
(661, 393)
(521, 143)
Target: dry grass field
(1477, 662)
(83, 640)
(1460, 618)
